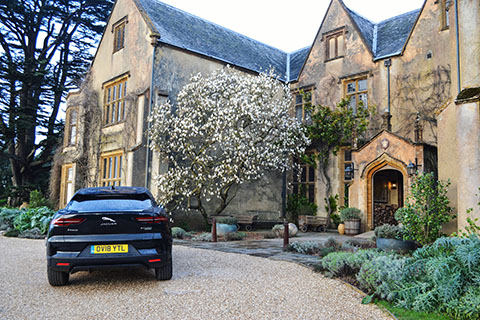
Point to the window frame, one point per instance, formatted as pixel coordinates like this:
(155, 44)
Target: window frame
(444, 14)
(344, 183)
(334, 34)
(68, 132)
(64, 182)
(111, 101)
(303, 93)
(357, 92)
(117, 27)
(297, 185)
(110, 159)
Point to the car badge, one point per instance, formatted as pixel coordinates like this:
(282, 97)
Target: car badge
(108, 219)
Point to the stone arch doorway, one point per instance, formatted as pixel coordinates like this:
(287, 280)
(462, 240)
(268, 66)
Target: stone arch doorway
(389, 168)
(387, 195)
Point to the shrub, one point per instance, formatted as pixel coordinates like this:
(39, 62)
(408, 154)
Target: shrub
(426, 211)
(226, 220)
(298, 205)
(12, 233)
(389, 231)
(307, 247)
(331, 242)
(341, 264)
(351, 245)
(34, 218)
(325, 251)
(33, 233)
(331, 204)
(380, 275)
(467, 307)
(334, 220)
(350, 214)
(178, 233)
(443, 276)
(203, 237)
(7, 217)
(37, 200)
(235, 236)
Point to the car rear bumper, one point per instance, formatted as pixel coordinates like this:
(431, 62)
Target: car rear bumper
(74, 253)
(63, 263)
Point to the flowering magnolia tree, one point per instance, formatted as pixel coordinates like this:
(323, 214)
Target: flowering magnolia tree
(226, 129)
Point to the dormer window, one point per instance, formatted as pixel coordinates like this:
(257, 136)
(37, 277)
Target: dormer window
(119, 34)
(334, 44)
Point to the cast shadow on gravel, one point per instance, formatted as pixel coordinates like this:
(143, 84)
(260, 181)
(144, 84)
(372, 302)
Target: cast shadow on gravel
(109, 277)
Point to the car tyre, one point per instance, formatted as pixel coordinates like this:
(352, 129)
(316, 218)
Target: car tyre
(165, 272)
(57, 278)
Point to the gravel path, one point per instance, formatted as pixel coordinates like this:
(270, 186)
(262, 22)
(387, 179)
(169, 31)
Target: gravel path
(206, 285)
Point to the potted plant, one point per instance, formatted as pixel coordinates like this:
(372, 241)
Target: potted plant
(226, 225)
(351, 219)
(390, 238)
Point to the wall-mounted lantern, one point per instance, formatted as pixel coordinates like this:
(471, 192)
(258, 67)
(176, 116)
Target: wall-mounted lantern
(349, 175)
(411, 169)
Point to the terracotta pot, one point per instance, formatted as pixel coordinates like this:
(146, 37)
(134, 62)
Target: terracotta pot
(341, 229)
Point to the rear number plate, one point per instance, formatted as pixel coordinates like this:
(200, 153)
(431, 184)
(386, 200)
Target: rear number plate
(109, 248)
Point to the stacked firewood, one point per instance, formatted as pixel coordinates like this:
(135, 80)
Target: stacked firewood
(384, 214)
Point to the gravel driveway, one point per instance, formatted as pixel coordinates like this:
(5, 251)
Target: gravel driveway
(206, 285)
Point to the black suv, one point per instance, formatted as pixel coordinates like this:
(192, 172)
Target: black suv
(109, 227)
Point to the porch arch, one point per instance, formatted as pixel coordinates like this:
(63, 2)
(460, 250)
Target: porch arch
(373, 167)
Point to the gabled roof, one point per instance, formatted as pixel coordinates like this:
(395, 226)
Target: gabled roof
(297, 58)
(183, 30)
(393, 33)
(365, 26)
(386, 38)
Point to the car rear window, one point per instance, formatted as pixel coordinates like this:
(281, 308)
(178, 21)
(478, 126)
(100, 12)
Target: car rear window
(109, 204)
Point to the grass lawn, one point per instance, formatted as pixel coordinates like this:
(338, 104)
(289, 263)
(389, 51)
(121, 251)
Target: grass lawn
(403, 314)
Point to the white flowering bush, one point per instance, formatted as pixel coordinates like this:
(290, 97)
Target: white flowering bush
(226, 129)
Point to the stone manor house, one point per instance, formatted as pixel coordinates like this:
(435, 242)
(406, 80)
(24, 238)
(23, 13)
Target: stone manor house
(421, 70)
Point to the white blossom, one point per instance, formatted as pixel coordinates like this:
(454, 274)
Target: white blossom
(226, 129)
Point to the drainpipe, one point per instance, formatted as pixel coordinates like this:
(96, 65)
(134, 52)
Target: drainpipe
(459, 86)
(387, 116)
(388, 63)
(154, 43)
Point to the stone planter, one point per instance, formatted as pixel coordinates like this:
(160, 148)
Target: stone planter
(352, 227)
(223, 229)
(292, 230)
(400, 246)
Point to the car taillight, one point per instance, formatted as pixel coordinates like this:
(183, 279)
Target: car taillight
(65, 222)
(150, 219)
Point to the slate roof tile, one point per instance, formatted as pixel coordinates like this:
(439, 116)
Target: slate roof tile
(386, 38)
(184, 30)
